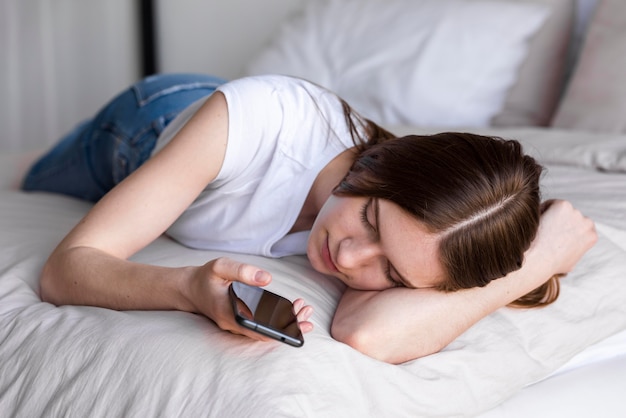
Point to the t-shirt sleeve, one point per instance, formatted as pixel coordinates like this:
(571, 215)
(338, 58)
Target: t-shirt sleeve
(255, 123)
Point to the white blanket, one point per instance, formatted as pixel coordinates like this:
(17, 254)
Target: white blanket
(85, 361)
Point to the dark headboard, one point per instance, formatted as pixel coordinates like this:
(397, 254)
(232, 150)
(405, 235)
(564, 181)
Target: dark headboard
(148, 38)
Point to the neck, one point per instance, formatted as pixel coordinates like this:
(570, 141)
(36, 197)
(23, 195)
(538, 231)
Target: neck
(322, 188)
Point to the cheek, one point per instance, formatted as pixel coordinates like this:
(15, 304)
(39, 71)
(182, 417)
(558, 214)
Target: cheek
(312, 250)
(326, 222)
(321, 219)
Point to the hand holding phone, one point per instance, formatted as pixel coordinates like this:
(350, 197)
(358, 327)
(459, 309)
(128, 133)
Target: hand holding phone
(266, 313)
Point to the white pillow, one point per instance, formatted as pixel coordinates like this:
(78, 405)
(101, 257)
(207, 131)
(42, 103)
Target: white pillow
(418, 62)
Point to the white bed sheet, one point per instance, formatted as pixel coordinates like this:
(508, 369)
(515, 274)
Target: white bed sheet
(592, 384)
(85, 361)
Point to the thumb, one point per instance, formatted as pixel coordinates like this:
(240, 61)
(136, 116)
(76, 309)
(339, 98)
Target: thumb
(232, 270)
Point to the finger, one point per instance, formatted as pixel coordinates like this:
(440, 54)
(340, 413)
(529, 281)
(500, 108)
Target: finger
(302, 312)
(232, 270)
(305, 313)
(305, 326)
(243, 308)
(298, 304)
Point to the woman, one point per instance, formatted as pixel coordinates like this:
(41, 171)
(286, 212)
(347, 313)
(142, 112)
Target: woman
(401, 221)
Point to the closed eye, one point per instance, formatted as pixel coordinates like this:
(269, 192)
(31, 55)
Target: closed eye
(372, 227)
(389, 277)
(364, 218)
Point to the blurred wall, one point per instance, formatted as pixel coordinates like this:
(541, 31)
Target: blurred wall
(216, 36)
(60, 61)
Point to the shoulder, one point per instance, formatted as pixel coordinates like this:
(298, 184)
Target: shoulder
(283, 105)
(270, 81)
(278, 88)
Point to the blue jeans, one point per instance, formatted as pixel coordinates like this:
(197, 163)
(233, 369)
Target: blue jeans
(102, 151)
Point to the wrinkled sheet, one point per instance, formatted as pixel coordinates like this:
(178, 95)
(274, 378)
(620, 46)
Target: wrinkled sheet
(86, 361)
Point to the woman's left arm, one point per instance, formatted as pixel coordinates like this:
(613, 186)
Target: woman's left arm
(400, 324)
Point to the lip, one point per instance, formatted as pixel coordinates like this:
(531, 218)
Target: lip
(328, 260)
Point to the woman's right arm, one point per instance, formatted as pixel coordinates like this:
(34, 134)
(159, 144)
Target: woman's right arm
(90, 266)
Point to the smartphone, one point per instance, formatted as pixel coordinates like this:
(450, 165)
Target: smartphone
(266, 313)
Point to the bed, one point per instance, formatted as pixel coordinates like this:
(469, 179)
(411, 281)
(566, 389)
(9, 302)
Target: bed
(565, 360)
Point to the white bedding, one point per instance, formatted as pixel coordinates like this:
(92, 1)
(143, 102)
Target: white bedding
(84, 361)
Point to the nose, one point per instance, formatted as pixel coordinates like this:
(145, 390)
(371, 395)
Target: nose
(357, 253)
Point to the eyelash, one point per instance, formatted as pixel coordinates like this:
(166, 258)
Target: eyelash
(393, 281)
(364, 219)
(371, 227)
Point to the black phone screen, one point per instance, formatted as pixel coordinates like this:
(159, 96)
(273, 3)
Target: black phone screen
(265, 312)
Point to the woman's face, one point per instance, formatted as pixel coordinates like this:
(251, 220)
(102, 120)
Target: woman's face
(372, 244)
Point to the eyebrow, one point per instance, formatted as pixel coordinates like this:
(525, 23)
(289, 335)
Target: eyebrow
(404, 281)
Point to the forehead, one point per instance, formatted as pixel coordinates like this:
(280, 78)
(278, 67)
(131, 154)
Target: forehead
(409, 246)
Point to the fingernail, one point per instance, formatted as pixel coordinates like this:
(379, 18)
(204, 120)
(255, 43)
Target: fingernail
(260, 276)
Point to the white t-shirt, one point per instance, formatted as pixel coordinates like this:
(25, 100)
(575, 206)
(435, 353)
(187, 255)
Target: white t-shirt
(282, 132)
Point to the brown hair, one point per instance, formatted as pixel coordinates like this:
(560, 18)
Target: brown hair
(480, 194)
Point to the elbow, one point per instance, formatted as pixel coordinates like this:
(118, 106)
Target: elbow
(360, 340)
(49, 285)
(381, 346)
(367, 341)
